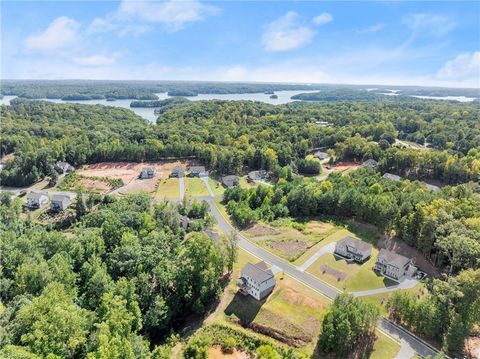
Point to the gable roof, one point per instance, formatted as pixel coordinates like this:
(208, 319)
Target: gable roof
(371, 162)
(361, 246)
(257, 175)
(178, 169)
(60, 197)
(230, 180)
(37, 195)
(392, 177)
(321, 155)
(197, 169)
(258, 272)
(393, 258)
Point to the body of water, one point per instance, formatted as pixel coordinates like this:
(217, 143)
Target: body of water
(148, 113)
(448, 98)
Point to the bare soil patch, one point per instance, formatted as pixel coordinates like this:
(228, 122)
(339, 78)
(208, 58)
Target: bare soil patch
(289, 248)
(95, 185)
(215, 352)
(141, 185)
(406, 250)
(344, 166)
(338, 275)
(259, 230)
(472, 347)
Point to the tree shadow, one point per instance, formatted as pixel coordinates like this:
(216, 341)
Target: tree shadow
(244, 307)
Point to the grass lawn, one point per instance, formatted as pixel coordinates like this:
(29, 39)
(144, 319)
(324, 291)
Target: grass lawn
(245, 184)
(168, 188)
(351, 277)
(380, 300)
(222, 209)
(195, 187)
(216, 186)
(384, 347)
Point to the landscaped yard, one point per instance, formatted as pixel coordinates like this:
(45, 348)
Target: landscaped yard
(195, 187)
(168, 188)
(216, 186)
(351, 277)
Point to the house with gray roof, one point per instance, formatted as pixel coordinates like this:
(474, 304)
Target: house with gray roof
(392, 177)
(177, 172)
(393, 265)
(353, 249)
(257, 175)
(63, 167)
(36, 199)
(230, 181)
(61, 201)
(321, 155)
(147, 172)
(198, 171)
(256, 280)
(370, 163)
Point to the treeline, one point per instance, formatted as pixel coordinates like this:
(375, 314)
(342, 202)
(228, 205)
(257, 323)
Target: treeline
(228, 136)
(444, 226)
(160, 104)
(112, 285)
(446, 314)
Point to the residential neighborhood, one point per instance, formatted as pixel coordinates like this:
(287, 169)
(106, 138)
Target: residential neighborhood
(256, 280)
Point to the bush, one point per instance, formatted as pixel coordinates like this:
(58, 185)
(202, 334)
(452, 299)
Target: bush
(228, 345)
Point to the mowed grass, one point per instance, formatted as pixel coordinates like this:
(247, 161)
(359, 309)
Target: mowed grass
(245, 184)
(168, 188)
(216, 186)
(356, 277)
(384, 347)
(195, 187)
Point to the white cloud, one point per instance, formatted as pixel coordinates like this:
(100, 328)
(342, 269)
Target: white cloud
(371, 29)
(134, 30)
(94, 60)
(286, 33)
(429, 24)
(174, 15)
(100, 25)
(62, 32)
(465, 66)
(322, 19)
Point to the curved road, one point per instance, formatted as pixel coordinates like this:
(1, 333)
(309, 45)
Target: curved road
(410, 344)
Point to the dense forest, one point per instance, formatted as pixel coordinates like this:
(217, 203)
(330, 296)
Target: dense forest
(228, 136)
(111, 285)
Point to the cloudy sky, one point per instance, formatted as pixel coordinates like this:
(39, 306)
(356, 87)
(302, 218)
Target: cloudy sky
(391, 42)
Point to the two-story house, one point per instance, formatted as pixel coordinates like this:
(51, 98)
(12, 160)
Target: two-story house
(37, 199)
(61, 201)
(256, 280)
(393, 265)
(353, 249)
(147, 172)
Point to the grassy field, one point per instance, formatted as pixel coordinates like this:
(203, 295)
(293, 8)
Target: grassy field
(245, 184)
(216, 186)
(351, 277)
(168, 188)
(293, 311)
(195, 187)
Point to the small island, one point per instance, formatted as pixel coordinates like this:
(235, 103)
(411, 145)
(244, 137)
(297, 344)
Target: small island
(273, 96)
(159, 104)
(268, 92)
(183, 93)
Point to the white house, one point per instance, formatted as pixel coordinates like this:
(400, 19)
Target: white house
(147, 172)
(198, 171)
(61, 201)
(393, 265)
(257, 280)
(37, 199)
(64, 167)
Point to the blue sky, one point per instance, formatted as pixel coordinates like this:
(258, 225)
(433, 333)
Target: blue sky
(391, 42)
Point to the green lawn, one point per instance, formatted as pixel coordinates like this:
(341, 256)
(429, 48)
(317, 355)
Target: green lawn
(245, 184)
(384, 347)
(168, 188)
(196, 188)
(216, 186)
(356, 277)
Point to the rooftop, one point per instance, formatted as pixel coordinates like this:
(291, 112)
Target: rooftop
(258, 272)
(197, 169)
(393, 258)
(392, 177)
(37, 195)
(356, 243)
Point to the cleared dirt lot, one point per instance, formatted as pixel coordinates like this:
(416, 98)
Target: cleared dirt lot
(128, 172)
(344, 166)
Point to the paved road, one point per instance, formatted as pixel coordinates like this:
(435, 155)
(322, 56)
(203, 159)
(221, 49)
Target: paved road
(405, 284)
(410, 345)
(207, 184)
(181, 184)
(329, 248)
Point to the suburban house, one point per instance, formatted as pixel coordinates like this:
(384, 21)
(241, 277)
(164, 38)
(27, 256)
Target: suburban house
(393, 265)
(198, 171)
(257, 280)
(257, 175)
(230, 181)
(321, 155)
(63, 167)
(37, 199)
(147, 172)
(61, 201)
(322, 123)
(392, 177)
(353, 249)
(370, 163)
(177, 172)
